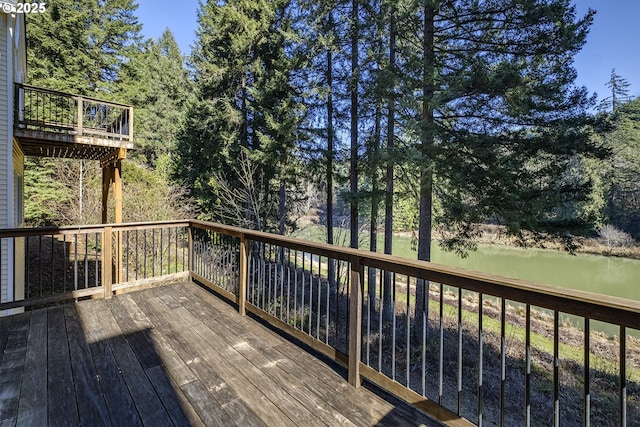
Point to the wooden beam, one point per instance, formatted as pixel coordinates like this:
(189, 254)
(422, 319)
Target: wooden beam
(117, 190)
(106, 183)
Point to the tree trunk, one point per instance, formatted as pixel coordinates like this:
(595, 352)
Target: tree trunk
(329, 176)
(426, 166)
(353, 170)
(388, 199)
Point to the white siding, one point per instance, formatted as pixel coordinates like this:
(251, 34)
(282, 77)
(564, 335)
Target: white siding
(6, 149)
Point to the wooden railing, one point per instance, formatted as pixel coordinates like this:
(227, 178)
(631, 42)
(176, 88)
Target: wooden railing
(484, 350)
(39, 109)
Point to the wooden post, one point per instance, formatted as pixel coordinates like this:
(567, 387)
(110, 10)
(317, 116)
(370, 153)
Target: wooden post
(106, 183)
(355, 322)
(244, 263)
(130, 124)
(107, 279)
(117, 190)
(80, 114)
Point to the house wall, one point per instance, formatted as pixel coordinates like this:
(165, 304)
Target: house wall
(12, 69)
(6, 155)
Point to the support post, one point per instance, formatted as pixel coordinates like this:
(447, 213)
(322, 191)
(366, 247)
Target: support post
(106, 183)
(80, 112)
(244, 262)
(107, 279)
(355, 322)
(130, 124)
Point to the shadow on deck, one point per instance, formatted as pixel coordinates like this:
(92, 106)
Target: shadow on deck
(173, 355)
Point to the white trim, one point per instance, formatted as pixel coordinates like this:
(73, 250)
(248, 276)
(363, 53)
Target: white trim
(8, 139)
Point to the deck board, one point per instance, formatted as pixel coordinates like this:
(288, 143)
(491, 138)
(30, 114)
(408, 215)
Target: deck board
(173, 355)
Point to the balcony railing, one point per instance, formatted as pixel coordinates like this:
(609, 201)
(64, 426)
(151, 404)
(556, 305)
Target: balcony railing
(486, 350)
(38, 109)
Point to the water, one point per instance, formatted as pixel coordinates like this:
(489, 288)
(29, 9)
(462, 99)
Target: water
(611, 276)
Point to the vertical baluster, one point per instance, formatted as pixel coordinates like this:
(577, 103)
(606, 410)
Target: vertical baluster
(310, 292)
(393, 329)
(368, 340)
(168, 250)
(441, 343)
(144, 238)
(97, 270)
(137, 258)
(161, 250)
(408, 337)
(53, 262)
(380, 310)
(40, 290)
(126, 255)
(527, 378)
(263, 275)
(502, 359)
(326, 340)
(459, 351)
(288, 285)
(86, 260)
(75, 262)
(64, 262)
(556, 371)
(587, 371)
(302, 308)
(623, 376)
(295, 289)
(425, 319)
(318, 302)
(153, 252)
(480, 364)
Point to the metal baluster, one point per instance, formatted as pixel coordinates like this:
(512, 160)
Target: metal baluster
(126, 254)
(623, 376)
(302, 309)
(86, 261)
(75, 262)
(441, 356)
(64, 261)
(556, 371)
(295, 289)
(459, 351)
(326, 340)
(480, 367)
(310, 291)
(380, 309)
(502, 358)
(587, 372)
(288, 285)
(408, 333)
(40, 265)
(318, 306)
(97, 271)
(393, 332)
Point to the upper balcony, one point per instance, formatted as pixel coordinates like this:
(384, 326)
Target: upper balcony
(49, 123)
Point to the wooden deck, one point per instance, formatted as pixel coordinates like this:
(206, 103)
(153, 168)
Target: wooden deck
(172, 355)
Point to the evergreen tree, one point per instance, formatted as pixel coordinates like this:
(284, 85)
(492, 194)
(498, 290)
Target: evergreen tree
(619, 92)
(80, 46)
(622, 171)
(156, 82)
(499, 117)
(242, 65)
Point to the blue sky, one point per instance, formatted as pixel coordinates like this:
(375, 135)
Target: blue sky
(612, 42)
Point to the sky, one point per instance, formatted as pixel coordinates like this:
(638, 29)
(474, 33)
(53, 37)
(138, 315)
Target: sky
(613, 41)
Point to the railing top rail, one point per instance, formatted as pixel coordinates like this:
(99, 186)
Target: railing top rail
(615, 310)
(91, 228)
(70, 95)
(609, 309)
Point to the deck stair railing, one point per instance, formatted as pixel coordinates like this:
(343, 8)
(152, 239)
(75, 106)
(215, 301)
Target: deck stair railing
(46, 110)
(477, 350)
